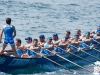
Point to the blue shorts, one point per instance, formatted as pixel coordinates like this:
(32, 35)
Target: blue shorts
(11, 41)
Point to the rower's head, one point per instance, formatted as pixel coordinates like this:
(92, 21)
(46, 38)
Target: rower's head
(18, 42)
(78, 31)
(28, 40)
(49, 40)
(98, 32)
(8, 21)
(76, 36)
(35, 42)
(42, 38)
(98, 26)
(87, 34)
(55, 36)
(65, 38)
(68, 33)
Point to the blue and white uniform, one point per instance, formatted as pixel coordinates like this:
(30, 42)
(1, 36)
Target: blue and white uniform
(19, 52)
(85, 44)
(32, 53)
(60, 49)
(8, 31)
(45, 51)
(74, 46)
(94, 42)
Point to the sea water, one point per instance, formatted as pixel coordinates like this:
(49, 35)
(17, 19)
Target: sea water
(35, 17)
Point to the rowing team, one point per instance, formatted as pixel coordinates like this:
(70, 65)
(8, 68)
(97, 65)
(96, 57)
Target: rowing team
(54, 44)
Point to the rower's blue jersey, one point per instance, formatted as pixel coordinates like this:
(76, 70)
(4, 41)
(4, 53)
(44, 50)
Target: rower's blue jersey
(74, 47)
(94, 42)
(86, 45)
(19, 52)
(8, 31)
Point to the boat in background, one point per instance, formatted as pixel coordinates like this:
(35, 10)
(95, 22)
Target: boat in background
(10, 63)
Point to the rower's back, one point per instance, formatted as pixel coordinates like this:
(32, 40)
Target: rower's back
(8, 31)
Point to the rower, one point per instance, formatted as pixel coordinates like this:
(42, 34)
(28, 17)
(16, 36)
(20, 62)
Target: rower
(18, 46)
(63, 44)
(35, 47)
(21, 49)
(68, 33)
(86, 41)
(75, 42)
(48, 45)
(97, 38)
(24, 48)
(78, 32)
(98, 28)
(28, 41)
(42, 40)
(24, 52)
(55, 40)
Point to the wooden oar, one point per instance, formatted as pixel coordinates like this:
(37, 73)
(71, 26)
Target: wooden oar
(69, 61)
(52, 61)
(87, 53)
(77, 56)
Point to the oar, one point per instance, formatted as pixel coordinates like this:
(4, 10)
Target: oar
(52, 61)
(87, 53)
(69, 61)
(77, 56)
(96, 41)
(91, 47)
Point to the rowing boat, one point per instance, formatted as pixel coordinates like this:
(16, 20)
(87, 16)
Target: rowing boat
(9, 63)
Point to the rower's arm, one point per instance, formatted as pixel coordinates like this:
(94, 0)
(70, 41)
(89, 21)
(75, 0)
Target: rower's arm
(9, 50)
(1, 32)
(35, 48)
(50, 47)
(14, 31)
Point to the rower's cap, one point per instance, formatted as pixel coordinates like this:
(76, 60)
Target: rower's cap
(41, 36)
(98, 30)
(49, 38)
(28, 38)
(66, 37)
(55, 34)
(76, 35)
(87, 32)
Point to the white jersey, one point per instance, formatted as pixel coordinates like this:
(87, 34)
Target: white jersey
(28, 45)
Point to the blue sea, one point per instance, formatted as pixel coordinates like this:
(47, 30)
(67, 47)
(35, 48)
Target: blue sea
(35, 17)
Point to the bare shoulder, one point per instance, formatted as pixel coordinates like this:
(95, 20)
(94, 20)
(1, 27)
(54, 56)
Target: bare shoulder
(13, 27)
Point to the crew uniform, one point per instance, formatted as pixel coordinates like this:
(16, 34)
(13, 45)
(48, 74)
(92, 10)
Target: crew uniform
(46, 45)
(8, 31)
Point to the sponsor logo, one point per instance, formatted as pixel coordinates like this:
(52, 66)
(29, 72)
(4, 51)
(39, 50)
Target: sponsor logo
(19, 62)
